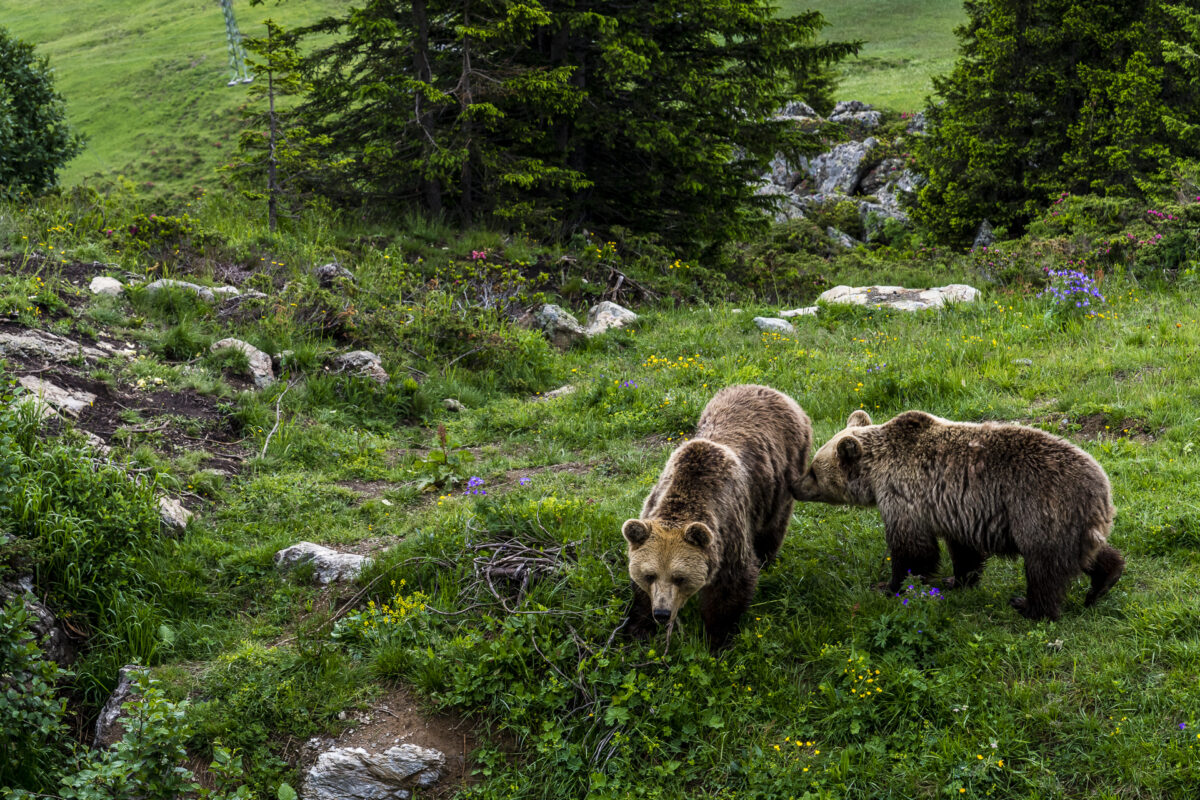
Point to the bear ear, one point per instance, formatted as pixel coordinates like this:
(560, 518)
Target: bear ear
(698, 534)
(858, 419)
(849, 451)
(636, 532)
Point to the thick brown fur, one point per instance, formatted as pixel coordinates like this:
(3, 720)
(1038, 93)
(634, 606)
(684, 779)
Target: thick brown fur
(719, 511)
(987, 489)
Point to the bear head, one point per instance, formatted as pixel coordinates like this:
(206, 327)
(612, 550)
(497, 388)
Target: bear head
(833, 474)
(669, 562)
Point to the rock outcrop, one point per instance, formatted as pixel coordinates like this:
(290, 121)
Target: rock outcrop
(328, 565)
(352, 773)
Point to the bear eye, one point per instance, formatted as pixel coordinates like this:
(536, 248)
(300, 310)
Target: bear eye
(649, 577)
(679, 580)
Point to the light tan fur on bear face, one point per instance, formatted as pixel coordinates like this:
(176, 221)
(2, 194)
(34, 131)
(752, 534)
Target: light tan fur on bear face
(669, 564)
(825, 481)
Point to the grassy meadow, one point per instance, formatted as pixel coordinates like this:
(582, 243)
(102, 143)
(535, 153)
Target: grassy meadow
(145, 81)
(906, 42)
(830, 690)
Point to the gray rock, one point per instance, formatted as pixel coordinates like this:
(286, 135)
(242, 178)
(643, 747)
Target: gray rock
(984, 237)
(260, 362)
(786, 206)
(51, 637)
(105, 285)
(840, 238)
(363, 363)
(328, 274)
(352, 773)
(841, 169)
(606, 315)
(559, 326)
(450, 404)
(172, 514)
(916, 123)
(110, 727)
(67, 401)
(45, 345)
(807, 311)
(226, 291)
(561, 391)
(885, 172)
(899, 298)
(203, 292)
(1023, 362)
(875, 215)
(774, 325)
(798, 109)
(328, 565)
(855, 111)
(239, 304)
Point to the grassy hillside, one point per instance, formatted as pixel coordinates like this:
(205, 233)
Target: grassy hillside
(830, 690)
(145, 80)
(907, 41)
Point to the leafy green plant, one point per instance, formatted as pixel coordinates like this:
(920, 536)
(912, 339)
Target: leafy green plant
(445, 466)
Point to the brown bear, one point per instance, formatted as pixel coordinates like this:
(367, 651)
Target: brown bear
(987, 489)
(719, 511)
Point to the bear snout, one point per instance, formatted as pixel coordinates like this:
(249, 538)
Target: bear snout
(662, 615)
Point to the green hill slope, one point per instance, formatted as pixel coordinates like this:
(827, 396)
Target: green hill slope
(907, 41)
(145, 80)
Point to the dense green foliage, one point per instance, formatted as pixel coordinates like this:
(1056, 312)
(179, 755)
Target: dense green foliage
(1053, 96)
(652, 117)
(35, 139)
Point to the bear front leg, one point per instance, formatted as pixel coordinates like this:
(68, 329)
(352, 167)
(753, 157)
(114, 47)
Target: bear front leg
(914, 552)
(639, 622)
(724, 604)
(968, 565)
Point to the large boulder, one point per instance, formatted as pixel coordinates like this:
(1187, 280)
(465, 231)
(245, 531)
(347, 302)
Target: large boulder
(606, 315)
(51, 397)
(900, 298)
(352, 773)
(260, 362)
(984, 237)
(363, 363)
(46, 346)
(110, 726)
(328, 565)
(855, 111)
(203, 292)
(798, 109)
(559, 326)
(841, 169)
(51, 637)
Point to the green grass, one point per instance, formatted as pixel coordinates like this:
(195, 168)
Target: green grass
(145, 81)
(970, 695)
(907, 42)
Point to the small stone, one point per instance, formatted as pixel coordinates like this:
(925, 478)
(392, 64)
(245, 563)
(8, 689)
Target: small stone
(561, 391)
(172, 513)
(807, 311)
(107, 286)
(735, 311)
(773, 325)
(328, 274)
(960, 293)
(226, 291)
(450, 404)
(51, 636)
(328, 565)
(260, 362)
(363, 363)
(1023, 362)
(607, 315)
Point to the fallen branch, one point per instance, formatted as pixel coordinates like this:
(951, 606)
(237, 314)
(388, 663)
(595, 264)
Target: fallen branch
(278, 400)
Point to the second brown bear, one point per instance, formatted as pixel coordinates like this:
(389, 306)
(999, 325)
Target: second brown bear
(719, 511)
(987, 489)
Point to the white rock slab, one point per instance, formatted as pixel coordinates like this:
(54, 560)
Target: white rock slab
(107, 286)
(66, 401)
(328, 565)
(260, 362)
(774, 325)
(352, 773)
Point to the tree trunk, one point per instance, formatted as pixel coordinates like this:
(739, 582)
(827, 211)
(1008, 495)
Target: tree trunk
(272, 162)
(430, 188)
